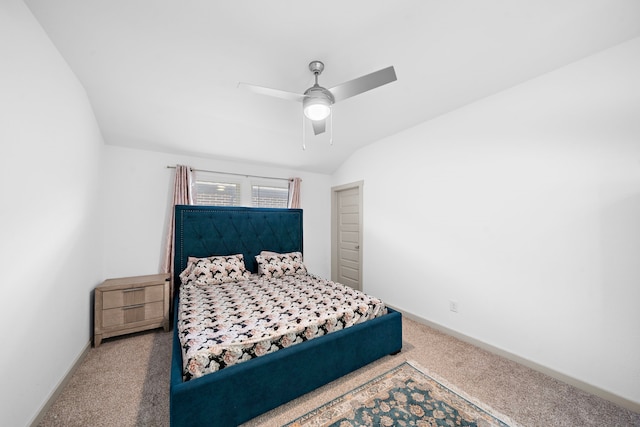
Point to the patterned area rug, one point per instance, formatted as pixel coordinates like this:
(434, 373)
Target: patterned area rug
(404, 396)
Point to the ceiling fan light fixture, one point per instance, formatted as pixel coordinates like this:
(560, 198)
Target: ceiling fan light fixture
(317, 110)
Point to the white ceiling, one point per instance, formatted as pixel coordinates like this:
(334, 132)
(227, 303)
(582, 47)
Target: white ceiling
(163, 74)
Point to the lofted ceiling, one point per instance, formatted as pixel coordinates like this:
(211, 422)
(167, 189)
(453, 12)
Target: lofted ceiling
(163, 74)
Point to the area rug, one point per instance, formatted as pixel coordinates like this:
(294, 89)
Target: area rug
(403, 396)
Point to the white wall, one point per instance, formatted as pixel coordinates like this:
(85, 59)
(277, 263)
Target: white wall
(51, 247)
(525, 209)
(138, 199)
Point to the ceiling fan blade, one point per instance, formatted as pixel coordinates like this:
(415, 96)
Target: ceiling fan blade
(290, 96)
(363, 84)
(319, 126)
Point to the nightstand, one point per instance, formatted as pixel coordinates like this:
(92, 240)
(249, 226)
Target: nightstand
(131, 304)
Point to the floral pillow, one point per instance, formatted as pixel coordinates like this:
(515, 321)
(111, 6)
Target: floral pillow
(278, 265)
(215, 270)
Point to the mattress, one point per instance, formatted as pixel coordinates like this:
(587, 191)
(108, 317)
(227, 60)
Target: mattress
(225, 324)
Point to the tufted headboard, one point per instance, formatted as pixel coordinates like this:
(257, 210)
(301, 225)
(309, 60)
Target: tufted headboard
(202, 231)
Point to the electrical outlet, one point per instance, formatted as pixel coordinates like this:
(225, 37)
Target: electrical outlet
(453, 306)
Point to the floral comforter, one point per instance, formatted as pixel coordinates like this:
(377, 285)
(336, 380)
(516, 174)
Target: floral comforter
(225, 324)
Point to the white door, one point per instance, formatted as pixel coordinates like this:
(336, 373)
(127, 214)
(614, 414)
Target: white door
(346, 257)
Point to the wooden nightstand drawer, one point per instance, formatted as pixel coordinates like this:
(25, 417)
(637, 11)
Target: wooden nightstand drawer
(131, 304)
(133, 296)
(121, 316)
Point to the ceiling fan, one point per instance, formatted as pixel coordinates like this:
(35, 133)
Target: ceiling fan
(317, 100)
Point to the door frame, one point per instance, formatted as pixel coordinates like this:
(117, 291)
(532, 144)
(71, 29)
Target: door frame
(334, 228)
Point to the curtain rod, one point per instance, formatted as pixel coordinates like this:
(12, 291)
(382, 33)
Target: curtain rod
(236, 174)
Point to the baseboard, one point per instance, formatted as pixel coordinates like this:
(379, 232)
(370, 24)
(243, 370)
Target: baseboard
(60, 386)
(589, 388)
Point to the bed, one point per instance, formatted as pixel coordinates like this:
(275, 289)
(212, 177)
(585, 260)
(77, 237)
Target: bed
(245, 390)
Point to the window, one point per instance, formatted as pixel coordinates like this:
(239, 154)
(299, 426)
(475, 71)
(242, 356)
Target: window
(217, 193)
(269, 196)
(233, 190)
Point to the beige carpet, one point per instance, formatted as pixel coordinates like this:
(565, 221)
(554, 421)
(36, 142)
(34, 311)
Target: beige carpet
(125, 382)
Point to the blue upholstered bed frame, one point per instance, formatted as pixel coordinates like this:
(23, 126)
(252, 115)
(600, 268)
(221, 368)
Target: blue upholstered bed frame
(238, 393)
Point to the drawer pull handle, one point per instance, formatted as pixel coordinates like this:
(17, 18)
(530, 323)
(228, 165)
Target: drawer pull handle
(129, 307)
(133, 289)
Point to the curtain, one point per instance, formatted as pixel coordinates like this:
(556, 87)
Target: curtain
(294, 193)
(182, 195)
